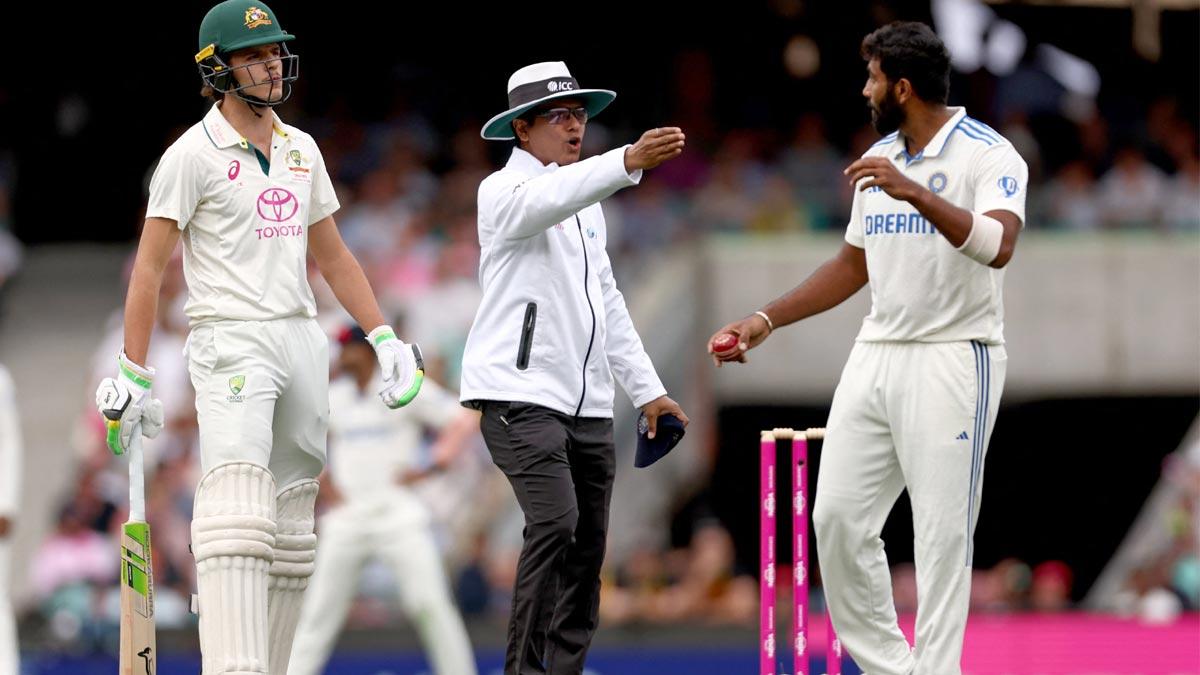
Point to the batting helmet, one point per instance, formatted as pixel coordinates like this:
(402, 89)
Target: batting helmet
(238, 24)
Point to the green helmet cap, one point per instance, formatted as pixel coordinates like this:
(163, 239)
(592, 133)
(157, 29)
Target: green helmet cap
(237, 24)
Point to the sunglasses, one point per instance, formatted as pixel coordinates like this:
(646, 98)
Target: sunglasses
(560, 115)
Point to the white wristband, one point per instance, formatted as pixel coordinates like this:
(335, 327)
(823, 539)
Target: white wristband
(983, 241)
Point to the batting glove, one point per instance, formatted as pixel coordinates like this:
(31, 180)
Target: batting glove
(126, 404)
(402, 365)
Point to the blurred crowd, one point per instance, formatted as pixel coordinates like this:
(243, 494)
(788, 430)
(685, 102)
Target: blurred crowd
(408, 212)
(1167, 582)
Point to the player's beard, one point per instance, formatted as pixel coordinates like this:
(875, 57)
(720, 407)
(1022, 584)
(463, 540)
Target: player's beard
(888, 115)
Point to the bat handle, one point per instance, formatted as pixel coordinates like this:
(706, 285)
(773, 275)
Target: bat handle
(137, 478)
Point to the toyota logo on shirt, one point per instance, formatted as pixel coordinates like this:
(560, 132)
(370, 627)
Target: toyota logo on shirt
(277, 205)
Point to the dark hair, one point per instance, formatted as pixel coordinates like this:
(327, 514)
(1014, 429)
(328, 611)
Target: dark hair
(208, 92)
(910, 50)
(529, 116)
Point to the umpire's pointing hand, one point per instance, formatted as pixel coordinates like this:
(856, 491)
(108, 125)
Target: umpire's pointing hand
(653, 148)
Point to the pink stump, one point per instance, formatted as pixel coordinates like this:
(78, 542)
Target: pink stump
(766, 568)
(800, 555)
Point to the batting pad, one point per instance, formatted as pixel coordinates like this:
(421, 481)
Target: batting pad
(295, 553)
(233, 539)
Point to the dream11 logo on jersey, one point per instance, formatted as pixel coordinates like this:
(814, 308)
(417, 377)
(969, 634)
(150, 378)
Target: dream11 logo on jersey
(278, 205)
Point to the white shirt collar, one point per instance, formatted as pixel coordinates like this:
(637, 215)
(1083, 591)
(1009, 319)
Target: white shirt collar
(899, 150)
(526, 162)
(223, 135)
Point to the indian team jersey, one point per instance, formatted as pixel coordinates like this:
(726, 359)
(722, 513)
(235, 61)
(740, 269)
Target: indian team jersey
(245, 221)
(370, 444)
(922, 288)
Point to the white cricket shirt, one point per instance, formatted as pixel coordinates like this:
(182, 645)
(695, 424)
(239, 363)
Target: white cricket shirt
(922, 288)
(10, 452)
(245, 224)
(370, 445)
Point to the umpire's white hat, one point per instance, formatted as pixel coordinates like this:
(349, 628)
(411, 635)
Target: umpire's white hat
(536, 84)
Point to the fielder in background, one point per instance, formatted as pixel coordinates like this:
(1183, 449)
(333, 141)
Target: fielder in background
(254, 198)
(373, 457)
(10, 485)
(551, 332)
(938, 204)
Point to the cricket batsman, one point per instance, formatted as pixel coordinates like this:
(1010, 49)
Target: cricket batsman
(250, 197)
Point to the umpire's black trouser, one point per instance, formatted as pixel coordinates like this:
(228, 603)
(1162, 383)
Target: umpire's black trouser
(561, 469)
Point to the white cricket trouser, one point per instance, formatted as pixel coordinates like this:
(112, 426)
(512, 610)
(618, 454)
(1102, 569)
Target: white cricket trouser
(349, 535)
(8, 623)
(915, 415)
(262, 395)
(262, 404)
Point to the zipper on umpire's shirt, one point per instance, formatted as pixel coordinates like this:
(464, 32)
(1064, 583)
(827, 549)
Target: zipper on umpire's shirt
(592, 337)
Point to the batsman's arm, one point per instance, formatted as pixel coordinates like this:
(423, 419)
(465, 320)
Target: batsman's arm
(345, 276)
(159, 237)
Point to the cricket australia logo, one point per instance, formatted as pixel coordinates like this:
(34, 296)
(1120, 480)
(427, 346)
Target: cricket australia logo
(255, 17)
(236, 383)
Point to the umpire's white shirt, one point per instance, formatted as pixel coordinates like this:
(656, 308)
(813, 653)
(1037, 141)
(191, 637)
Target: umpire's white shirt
(922, 289)
(245, 227)
(552, 328)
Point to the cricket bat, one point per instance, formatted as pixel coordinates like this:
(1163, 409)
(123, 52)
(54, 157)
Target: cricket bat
(138, 651)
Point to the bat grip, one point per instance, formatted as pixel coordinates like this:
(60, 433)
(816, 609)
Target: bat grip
(137, 478)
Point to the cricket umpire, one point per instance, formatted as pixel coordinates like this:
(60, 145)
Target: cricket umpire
(551, 332)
